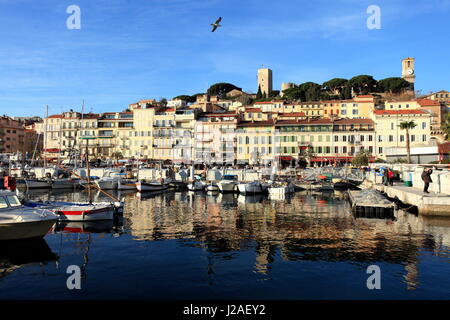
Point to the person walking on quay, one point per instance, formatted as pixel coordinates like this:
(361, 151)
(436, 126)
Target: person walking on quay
(426, 177)
(391, 177)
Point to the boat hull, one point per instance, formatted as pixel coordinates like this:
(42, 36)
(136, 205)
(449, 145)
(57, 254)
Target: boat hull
(126, 185)
(227, 187)
(142, 186)
(86, 214)
(25, 230)
(249, 188)
(107, 185)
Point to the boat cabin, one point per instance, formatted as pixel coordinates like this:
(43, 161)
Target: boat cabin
(9, 200)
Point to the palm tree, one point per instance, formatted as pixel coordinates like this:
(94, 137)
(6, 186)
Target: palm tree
(446, 126)
(407, 125)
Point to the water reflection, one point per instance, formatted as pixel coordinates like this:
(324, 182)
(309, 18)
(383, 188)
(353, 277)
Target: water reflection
(307, 229)
(15, 254)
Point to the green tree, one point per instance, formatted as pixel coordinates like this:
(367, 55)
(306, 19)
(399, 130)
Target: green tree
(335, 84)
(393, 85)
(259, 93)
(361, 159)
(221, 89)
(407, 125)
(446, 126)
(363, 84)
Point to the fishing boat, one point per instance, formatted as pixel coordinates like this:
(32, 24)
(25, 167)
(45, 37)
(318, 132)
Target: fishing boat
(127, 184)
(80, 211)
(144, 185)
(228, 183)
(18, 221)
(251, 187)
(212, 187)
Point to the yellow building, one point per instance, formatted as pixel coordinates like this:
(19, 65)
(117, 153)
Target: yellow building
(358, 107)
(389, 134)
(255, 142)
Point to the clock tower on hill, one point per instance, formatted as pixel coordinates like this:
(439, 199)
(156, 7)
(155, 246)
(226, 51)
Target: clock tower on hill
(408, 72)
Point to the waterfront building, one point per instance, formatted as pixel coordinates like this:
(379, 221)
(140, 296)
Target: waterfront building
(255, 142)
(389, 134)
(437, 110)
(215, 138)
(12, 134)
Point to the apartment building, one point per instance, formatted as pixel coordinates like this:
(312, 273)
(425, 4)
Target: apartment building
(215, 138)
(389, 134)
(12, 134)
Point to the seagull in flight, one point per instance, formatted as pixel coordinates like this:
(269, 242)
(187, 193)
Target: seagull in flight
(216, 24)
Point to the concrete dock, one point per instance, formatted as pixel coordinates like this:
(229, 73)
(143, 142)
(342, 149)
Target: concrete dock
(431, 204)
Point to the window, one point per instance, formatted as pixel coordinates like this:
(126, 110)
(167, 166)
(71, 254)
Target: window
(424, 138)
(3, 203)
(355, 112)
(380, 138)
(402, 138)
(380, 150)
(424, 125)
(336, 149)
(336, 138)
(413, 137)
(391, 138)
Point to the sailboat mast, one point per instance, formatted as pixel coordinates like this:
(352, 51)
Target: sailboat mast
(81, 126)
(45, 137)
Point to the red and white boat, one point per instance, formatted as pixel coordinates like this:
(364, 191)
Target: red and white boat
(73, 211)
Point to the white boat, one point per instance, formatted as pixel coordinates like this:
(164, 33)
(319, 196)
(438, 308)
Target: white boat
(251, 187)
(277, 189)
(80, 211)
(151, 185)
(126, 184)
(212, 187)
(196, 186)
(20, 222)
(228, 183)
(107, 183)
(110, 180)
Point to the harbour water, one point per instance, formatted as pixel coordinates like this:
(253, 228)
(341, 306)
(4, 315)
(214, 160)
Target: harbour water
(185, 245)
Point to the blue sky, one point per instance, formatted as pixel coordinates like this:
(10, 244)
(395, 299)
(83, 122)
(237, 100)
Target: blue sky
(129, 50)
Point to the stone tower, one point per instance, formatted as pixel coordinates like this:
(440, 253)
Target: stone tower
(408, 72)
(265, 81)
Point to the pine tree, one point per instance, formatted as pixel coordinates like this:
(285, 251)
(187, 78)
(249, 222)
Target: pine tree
(259, 94)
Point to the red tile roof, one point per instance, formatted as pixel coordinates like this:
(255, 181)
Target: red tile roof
(427, 102)
(253, 110)
(56, 116)
(398, 112)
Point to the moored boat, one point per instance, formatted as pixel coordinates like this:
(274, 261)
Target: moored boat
(20, 222)
(151, 185)
(228, 183)
(212, 187)
(34, 183)
(251, 187)
(126, 184)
